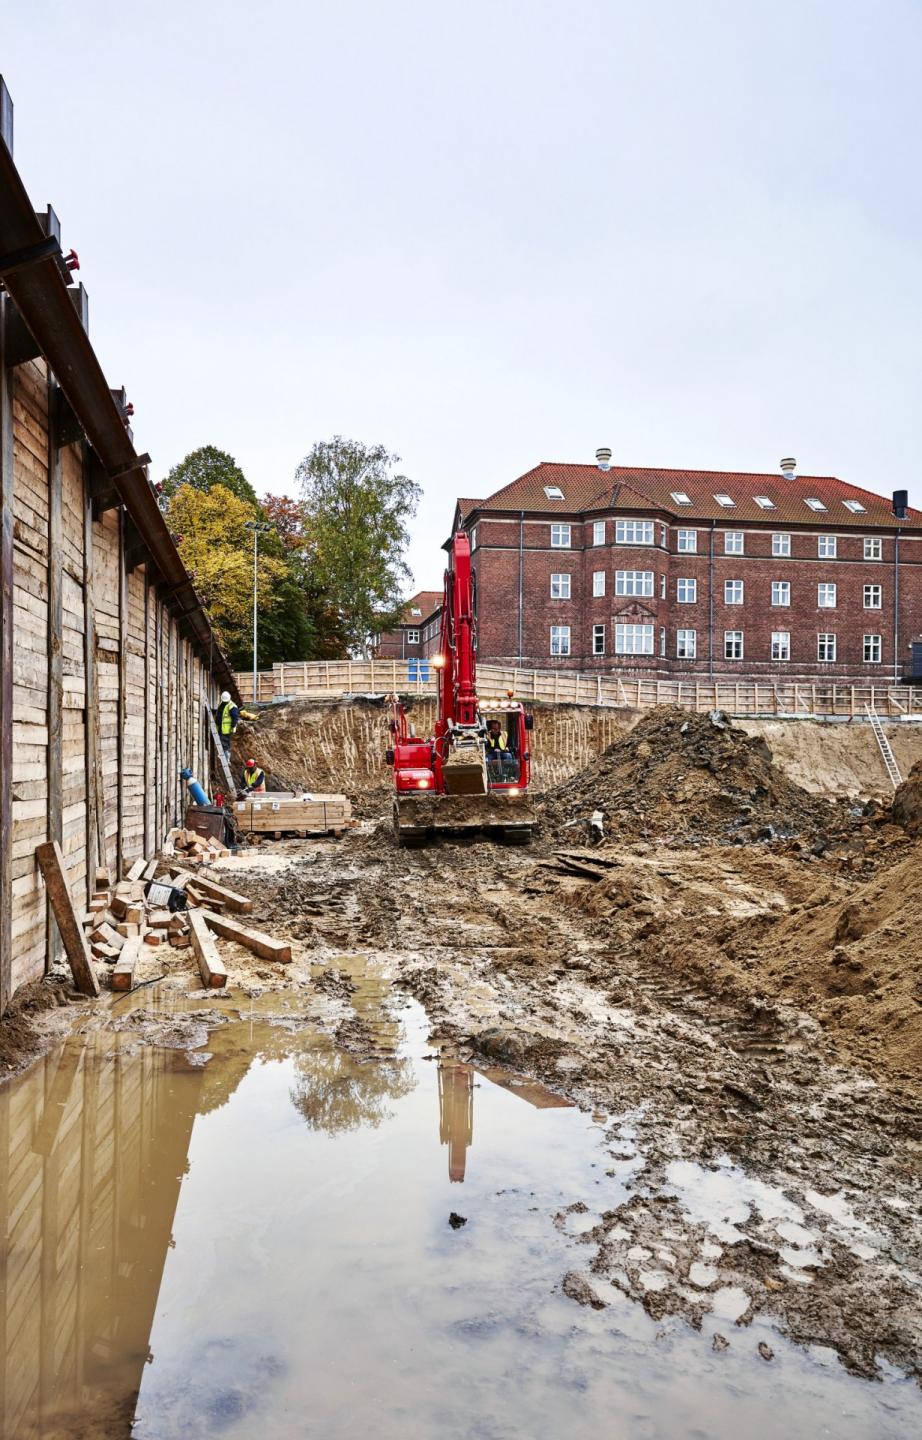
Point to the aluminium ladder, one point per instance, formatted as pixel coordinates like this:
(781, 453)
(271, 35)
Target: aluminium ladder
(883, 744)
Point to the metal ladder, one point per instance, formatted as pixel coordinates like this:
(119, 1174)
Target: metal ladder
(883, 744)
(220, 757)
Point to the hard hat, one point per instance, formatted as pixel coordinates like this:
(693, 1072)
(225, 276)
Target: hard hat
(225, 696)
(251, 763)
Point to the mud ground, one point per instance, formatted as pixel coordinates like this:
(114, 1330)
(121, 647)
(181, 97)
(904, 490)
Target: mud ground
(732, 977)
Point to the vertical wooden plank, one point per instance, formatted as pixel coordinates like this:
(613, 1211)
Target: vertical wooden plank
(55, 651)
(122, 691)
(146, 845)
(95, 800)
(6, 665)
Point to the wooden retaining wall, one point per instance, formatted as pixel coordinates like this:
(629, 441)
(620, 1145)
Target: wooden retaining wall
(101, 703)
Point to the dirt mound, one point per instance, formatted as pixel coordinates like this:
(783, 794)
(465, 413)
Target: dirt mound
(695, 775)
(907, 802)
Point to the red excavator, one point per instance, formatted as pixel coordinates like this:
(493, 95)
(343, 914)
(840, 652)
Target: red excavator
(474, 773)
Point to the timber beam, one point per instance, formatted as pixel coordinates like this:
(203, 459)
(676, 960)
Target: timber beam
(100, 486)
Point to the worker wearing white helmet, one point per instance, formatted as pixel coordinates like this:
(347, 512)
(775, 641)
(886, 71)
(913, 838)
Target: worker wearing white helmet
(227, 718)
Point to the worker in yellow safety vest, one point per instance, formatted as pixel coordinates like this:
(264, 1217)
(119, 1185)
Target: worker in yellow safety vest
(254, 779)
(499, 756)
(227, 717)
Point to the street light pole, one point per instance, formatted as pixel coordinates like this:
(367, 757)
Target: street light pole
(256, 528)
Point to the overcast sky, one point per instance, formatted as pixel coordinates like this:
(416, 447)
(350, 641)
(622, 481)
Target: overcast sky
(487, 234)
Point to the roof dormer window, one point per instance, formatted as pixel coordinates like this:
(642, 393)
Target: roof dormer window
(763, 502)
(814, 504)
(726, 501)
(415, 612)
(680, 497)
(553, 492)
(855, 506)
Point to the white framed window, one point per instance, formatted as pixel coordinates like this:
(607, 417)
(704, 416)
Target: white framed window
(680, 497)
(686, 644)
(634, 582)
(781, 644)
(855, 506)
(733, 644)
(814, 504)
(733, 592)
(826, 547)
(781, 592)
(560, 639)
(781, 544)
(763, 502)
(553, 492)
(598, 582)
(734, 542)
(598, 532)
(560, 537)
(412, 637)
(826, 596)
(662, 587)
(687, 542)
(633, 639)
(872, 597)
(662, 641)
(474, 538)
(598, 639)
(662, 536)
(873, 548)
(634, 532)
(872, 649)
(560, 587)
(687, 592)
(825, 646)
(726, 501)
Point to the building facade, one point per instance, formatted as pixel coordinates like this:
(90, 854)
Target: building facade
(696, 573)
(417, 635)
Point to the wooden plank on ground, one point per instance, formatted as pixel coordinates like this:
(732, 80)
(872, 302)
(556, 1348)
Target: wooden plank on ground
(124, 968)
(138, 868)
(254, 940)
(233, 901)
(210, 964)
(76, 949)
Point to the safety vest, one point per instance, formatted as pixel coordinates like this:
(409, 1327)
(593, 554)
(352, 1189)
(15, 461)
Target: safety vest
(498, 742)
(253, 778)
(226, 720)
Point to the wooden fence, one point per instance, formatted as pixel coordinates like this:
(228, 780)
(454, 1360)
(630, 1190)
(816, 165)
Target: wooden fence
(326, 678)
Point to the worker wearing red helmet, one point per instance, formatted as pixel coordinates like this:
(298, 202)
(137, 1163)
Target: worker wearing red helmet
(254, 779)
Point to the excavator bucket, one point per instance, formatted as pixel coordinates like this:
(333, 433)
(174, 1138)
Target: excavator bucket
(508, 815)
(465, 771)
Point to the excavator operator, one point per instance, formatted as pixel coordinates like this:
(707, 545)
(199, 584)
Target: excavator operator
(500, 759)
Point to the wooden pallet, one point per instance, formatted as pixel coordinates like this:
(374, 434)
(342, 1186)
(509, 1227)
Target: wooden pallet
(315, 815)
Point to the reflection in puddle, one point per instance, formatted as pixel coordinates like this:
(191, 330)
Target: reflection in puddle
(261, 1246)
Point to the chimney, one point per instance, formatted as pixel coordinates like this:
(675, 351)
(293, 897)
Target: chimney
(789, 468)
(603, 457)
(900, 503)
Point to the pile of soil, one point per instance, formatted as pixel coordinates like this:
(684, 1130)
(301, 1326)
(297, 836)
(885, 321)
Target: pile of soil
(698, 776)
(907, 802)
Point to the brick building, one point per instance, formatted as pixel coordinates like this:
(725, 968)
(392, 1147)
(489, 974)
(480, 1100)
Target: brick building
(682, 573)
(417, 634)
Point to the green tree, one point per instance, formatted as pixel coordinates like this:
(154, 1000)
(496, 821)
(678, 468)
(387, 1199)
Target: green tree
(355, 515)
(206, 467)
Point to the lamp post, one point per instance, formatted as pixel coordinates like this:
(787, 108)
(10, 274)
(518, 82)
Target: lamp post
(257, 530)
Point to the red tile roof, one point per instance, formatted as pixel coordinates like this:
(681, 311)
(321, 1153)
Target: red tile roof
(586, 487)
(426, 601)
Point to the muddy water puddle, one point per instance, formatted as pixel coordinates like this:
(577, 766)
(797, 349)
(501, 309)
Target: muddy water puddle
(293, 1240)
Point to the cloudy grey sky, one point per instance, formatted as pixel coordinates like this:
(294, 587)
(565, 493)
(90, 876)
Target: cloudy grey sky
(488, 234)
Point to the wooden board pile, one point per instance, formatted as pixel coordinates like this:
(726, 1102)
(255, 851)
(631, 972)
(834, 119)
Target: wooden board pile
(278, 813)
(193, 847)
(135, 913)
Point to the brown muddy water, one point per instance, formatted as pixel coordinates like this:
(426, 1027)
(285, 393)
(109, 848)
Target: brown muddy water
(267, 1243)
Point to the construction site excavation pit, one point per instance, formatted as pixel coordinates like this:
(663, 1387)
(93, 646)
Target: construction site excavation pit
(271, 1233)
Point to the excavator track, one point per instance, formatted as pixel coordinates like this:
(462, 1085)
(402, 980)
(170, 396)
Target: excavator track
(507, 816)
